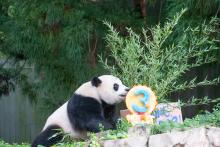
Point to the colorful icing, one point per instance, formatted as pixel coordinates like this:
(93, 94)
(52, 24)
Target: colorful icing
(144, 100)
(140, 101)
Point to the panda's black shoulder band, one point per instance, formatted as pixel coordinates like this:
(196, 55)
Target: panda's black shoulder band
(96, 81)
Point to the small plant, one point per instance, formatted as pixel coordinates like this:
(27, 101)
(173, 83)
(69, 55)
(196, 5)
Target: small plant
(207, 119)
(4, 144)
(94, 140)
(199, 101)
(123, 125)
(210, 119)
(155, 60)
(120, 132)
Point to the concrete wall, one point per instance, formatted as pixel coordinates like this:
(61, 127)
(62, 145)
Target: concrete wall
(18, 118)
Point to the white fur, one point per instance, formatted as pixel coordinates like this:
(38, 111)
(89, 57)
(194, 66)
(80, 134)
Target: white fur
(88, 90)
(104, 92)
(60, 118)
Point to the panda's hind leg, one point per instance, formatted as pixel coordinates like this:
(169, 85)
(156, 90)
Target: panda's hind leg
(48, 137)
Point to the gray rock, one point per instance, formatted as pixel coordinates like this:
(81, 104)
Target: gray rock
(213, 135)
(196, 137)
(127, 142)
(191, 138)
(139, 130)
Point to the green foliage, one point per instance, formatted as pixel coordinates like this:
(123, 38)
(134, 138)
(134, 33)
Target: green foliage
(94, 139)
(3, 144)
(199, 101)
(72, 144)
(120, 132)
(208, 119)
(198, 12)
(197, 8)
(10, 71)
(57, 39)
(151, 59)
(60, 40)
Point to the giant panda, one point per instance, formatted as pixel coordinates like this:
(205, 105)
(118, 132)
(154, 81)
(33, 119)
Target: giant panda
(92, 104)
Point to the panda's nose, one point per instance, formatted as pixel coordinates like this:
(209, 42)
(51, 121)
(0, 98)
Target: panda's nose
(127, 89)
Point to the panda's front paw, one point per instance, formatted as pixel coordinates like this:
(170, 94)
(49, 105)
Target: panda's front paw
(97, 126)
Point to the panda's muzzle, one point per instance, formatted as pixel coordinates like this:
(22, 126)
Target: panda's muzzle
(127, 89)
(123, 95)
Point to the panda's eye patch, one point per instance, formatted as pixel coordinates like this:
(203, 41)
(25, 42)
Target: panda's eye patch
(116, 86)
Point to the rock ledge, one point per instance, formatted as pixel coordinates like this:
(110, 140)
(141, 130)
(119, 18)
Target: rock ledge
(196, 137)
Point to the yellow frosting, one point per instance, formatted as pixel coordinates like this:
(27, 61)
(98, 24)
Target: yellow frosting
(131, 98)
(135, 119)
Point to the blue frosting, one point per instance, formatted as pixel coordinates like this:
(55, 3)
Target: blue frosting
(144, 100)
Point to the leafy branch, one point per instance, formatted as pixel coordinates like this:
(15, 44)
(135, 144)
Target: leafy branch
(154, 59)
(199, 101)
(192, 84)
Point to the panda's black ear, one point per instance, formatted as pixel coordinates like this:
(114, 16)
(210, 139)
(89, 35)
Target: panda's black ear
(96, 81)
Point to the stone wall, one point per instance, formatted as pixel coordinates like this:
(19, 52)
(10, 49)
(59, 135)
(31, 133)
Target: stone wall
(196, 137)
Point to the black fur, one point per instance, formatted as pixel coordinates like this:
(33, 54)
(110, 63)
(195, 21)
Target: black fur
(96, 81)
(110, 113)
(46, 137)
(86, 113)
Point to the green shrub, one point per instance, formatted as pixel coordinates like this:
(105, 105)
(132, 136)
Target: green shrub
(154, 59)
(4, 144)
(208, 119)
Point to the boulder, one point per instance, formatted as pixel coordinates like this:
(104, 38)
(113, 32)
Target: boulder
(139, 130)
(191, 138)
(213, 135)
(127, 142)
(138, 136)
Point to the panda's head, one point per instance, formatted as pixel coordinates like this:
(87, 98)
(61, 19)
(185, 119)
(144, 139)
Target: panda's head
(110, 88)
